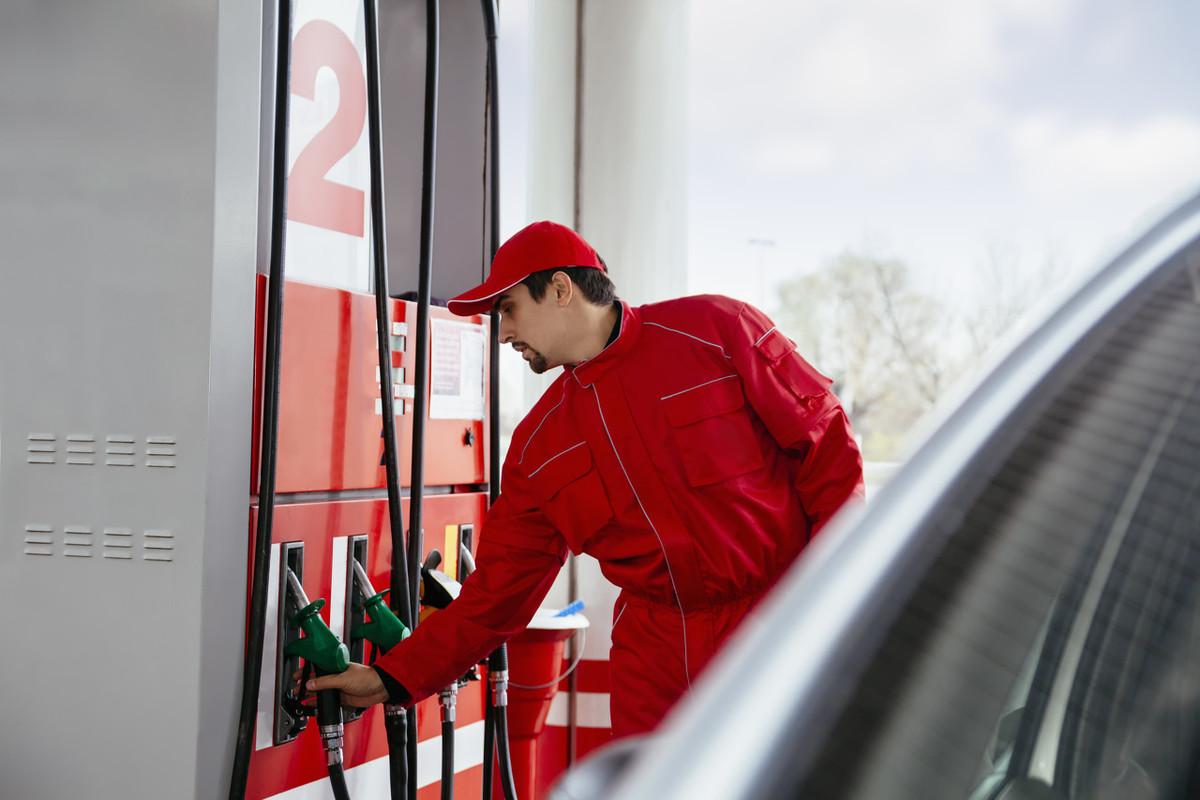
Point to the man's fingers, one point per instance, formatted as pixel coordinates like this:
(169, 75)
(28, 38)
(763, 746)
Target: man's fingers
(359, 686)
(325, 682)
(360, 701)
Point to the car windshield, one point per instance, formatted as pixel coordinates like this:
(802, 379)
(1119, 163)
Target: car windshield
(1053, 648)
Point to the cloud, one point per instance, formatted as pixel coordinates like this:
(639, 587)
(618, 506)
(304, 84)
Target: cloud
(1150, 159)
(885, 84)
(791, 156)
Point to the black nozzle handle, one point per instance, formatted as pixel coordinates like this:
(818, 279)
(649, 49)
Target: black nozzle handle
(329, 707)
(329, 721)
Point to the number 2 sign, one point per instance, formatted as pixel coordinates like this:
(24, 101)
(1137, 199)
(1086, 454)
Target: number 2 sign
(330, 165)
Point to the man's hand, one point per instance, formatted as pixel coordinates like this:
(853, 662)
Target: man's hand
(360, 686)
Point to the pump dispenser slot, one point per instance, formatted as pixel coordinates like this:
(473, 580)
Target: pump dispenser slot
(357, 551)
(287, 727)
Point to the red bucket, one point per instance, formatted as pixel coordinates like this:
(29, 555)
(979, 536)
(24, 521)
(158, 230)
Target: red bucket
(535, 659)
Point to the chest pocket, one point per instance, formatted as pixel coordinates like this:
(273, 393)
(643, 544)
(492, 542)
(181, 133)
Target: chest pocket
(572, 496)
(713, 432)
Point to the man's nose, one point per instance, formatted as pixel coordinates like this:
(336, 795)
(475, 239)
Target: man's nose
(507, 334)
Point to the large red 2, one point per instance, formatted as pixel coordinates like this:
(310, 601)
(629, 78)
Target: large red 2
(312, 198)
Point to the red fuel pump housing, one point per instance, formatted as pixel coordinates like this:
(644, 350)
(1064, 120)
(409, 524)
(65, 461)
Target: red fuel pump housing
(329, 422)
(331, 483)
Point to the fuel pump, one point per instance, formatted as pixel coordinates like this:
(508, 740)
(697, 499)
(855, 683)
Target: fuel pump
(386, 626)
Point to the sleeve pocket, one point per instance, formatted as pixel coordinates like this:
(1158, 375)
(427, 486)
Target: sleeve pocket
(780, 352)
(572, 496)
(809, 388)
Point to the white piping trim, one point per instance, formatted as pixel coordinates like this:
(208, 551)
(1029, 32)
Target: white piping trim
(556, 455)
(620, 614)
(486, 296)
(621, 328)
(682, 619)
(698, 386)
(765, 335)
(521, 460)
(690, 336)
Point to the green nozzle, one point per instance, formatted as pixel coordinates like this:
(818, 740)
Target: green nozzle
(319, 646)
(385, 630)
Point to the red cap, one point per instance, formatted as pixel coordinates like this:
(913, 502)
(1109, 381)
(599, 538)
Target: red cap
(542, 245)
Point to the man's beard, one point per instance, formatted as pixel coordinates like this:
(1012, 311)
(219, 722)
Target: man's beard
(537, 363)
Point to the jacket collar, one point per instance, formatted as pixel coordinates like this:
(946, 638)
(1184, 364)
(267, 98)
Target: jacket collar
(588, 372)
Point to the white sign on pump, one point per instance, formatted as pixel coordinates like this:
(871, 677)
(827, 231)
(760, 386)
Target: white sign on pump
(456, 370)
(329, 172)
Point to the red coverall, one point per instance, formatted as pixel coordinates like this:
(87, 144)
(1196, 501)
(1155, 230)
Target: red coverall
(694, 458)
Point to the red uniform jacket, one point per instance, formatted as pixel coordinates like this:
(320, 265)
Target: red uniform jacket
(694, 458)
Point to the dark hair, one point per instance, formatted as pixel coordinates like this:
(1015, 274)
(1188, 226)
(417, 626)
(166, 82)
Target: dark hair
(593, 283)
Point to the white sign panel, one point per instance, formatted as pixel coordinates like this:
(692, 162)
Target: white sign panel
(329, 175)
(456, 370)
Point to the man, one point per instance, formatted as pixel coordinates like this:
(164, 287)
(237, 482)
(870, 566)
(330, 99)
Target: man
(686, 445)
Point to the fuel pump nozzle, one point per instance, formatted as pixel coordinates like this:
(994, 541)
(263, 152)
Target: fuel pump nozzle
(382, 628)
(322, 649)
(319, 645)
(438, 589)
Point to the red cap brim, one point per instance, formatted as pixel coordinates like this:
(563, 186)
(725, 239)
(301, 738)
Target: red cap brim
(478, 300)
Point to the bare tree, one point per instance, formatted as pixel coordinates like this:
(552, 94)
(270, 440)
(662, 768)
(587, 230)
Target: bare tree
(1005, 292)
(861, 322)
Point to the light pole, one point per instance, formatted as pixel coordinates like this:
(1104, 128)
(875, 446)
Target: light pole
(762, 246)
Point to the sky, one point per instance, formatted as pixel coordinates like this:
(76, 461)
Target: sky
(933, 131)
(962, 137)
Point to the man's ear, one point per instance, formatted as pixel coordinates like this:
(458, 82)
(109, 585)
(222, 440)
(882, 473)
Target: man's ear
(563, 288)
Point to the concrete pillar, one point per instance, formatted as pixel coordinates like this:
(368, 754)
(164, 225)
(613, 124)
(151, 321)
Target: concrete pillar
(633, 176)
(550, 164)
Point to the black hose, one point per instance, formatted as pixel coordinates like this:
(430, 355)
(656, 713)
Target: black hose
(410, 749)
(252, 667)
(506, 775)
(496, 724)
(399, 757)
(395, 724)
(421, 380)
(337, 780)
(329, 721)
(493, 163)
(448, 759)
(400, 589)
(425, 276)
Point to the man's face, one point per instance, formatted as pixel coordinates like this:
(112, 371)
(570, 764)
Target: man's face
(530, 325)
